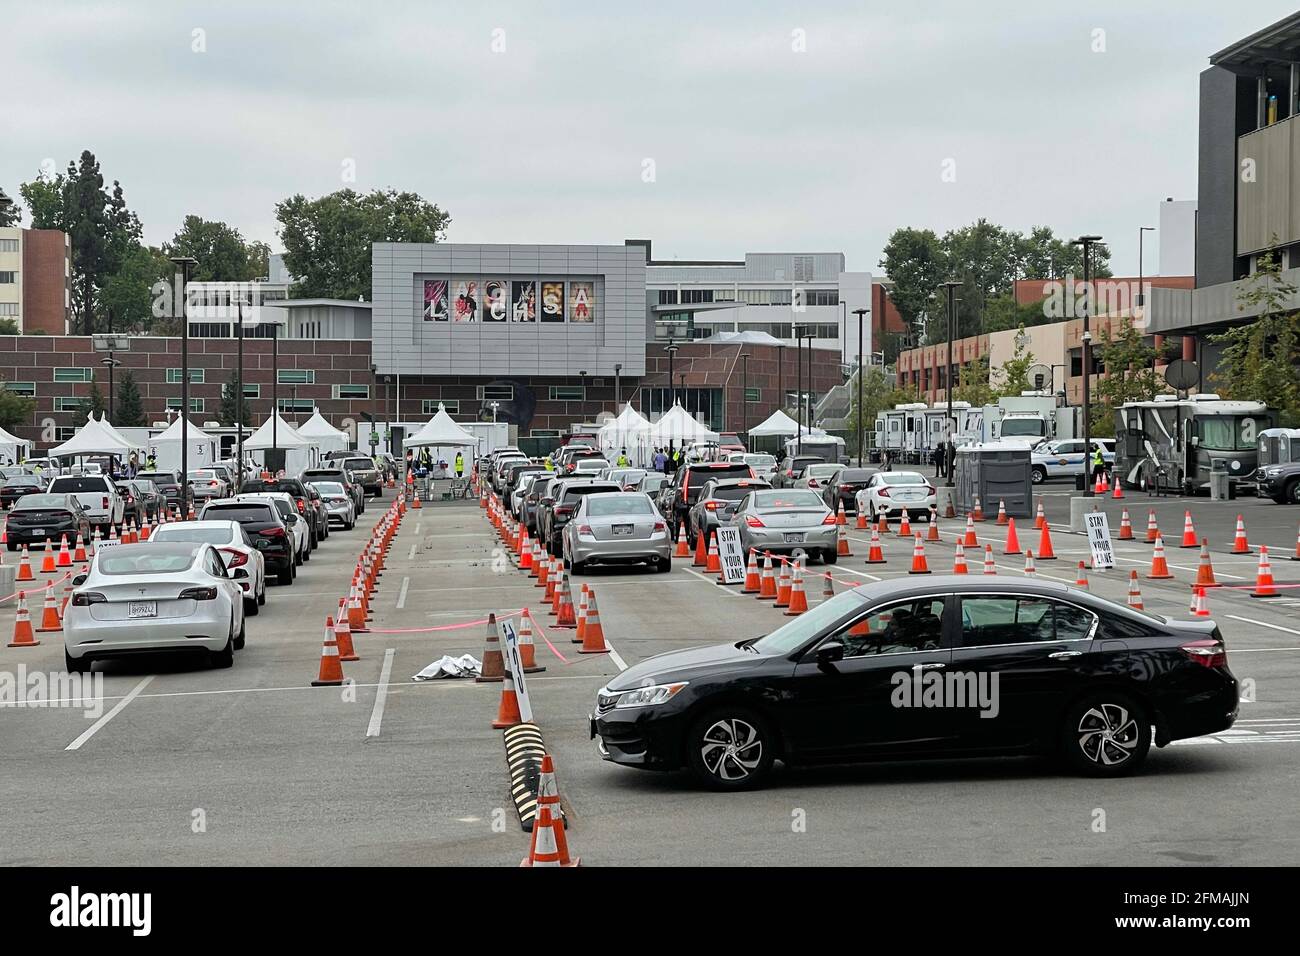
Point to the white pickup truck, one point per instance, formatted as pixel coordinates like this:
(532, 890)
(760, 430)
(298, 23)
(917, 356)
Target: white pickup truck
(98, 496)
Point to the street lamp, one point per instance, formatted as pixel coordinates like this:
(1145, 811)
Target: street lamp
(618, 385)
(1141, 297)
(950, 287)
(798, 388)
(186, 265)
(110, 343)
(374, 409)
(494, 406)
(582, 400)
(861, 314)
(1087, 242)
(744, 396)
(671, 349)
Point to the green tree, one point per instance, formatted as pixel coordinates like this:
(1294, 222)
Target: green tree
(126, 301)
(9, 327)
(93, 402)
(915, 262)
(1130, 376)
(219, 250)
(1259, 360)
(10, 215)
(128, 408)
(1003, 312)
(15, 411)
(1013, 376)
(100, 227)
(327, 240)
(259, 260)
(229, 412)
(973, 384)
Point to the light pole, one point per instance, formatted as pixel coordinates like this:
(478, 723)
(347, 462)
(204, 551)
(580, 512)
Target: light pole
(374, 409)
(862, 316)
(275, 386)
(798, 389)
(494, 406)
(950, 287)
(186, 264)
(744, 396)
(618, 386)
(239, 393)
(1141, 296)
(671, 349)
(1087, 242)
(780, 376)
(582, 400)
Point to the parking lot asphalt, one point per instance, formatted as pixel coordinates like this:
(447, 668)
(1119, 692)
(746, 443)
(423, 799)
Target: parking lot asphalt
(252, 765)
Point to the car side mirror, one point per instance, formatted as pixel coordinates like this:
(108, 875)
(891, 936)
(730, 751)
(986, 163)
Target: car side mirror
(79, 580)
(829, 653)
(292, 520)
(548, 500)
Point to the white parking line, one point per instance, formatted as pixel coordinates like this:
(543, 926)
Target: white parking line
(117, 709)
(1275, 627)
(615, 656)
(411, 555)
(377, 713)
(417, 527)
(401, 595)
(724, 590)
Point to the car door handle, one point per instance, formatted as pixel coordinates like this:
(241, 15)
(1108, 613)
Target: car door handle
(1059, 655)
(926, 667)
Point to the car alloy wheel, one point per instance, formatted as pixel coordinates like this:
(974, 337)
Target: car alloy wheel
(1106, 735)
(731, 750)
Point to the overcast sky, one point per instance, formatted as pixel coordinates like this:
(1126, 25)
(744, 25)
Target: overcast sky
(756, 146)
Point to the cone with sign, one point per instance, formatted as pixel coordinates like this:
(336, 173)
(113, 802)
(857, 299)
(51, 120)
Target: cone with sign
(1159, 565)
(959, 560)
(1239, 543)
(1264, 584)
(875, 553)
(508, 707)
(23, 634)
(1125, 526)
(919, 563)
(990, 567)
(494, 668)
(1205, 572)
(593, 641)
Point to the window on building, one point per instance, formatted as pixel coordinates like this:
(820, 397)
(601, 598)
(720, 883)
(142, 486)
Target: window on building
(8, 278)
(73, 375)
(68, 404)
(544, 433)
(297, 404)
(296, 376)
(196, 404)
(8, 308)
(667, 296)
(252, 391)
(753, 395)
(697, 295)
(568, 393)
(8, 245)
(497, 393)
(25, 389)
(211, 330)
(64, 433)
(197, 376)
(430, 406)
(352, 391)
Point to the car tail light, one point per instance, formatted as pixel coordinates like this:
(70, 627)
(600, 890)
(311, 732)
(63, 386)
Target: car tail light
(829, 519)
(563, 509)
(584, 529)
(105, 504)
(752, 473)
(929, 489)
(87, 598)
(754, 521)
(130, 499)
(812, 483)
(710, 506)
(846, 488)
(234, 558)
(198, 594)
(883, 492)
(660, 526)
(212, 484)
(1210, 652)
(272, 533)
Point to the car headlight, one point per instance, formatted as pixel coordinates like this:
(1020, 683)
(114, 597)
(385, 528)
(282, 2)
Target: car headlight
(647, 696)
(1272, 472)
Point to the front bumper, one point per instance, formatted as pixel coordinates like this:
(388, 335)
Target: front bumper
(644, 737)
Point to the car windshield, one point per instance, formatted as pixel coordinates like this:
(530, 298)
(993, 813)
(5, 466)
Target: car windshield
(788, 499)
(904, 478)
(180, 531)
(855, 474)
(133, 561)
(74, 485)
(28, 502)
(619, 505)
(240, 513)
(592, 464)
(798, 631)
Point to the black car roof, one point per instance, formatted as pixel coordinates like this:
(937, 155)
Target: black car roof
(903, 588)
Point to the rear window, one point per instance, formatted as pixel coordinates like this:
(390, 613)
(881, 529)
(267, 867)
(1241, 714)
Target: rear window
(157, 477)
(855, 474)
(26, 481)
(577, 491)
(698, 476)
(352, 463)
(240, 513)
(622, 505)
(71, 486)
(135, 561)
(329, 488)
(28, 502)
(180, 532)
(731, 493)
(905, 478)
(788, 499)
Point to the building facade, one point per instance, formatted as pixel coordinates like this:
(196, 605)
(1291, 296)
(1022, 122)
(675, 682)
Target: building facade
(35, 277)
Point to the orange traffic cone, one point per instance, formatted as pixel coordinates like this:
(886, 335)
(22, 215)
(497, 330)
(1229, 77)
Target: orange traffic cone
(798, 599)
(1081, 578)
(593, 641)
(508, 708)
(683, 550)
(767, 583)
(989, 566)
(919, 564)
(580, 632)
(1296, 556)
(1045, 552)
(1134, 592)
(567, 617)
(48, 565)
(525, 550)
(23, 636)
(861, 524)
(752, 583)
(842, 543)
(494, 667)
(25, 566)
(331, 670)
(1264, 576)
(840, 516)
(1125, 526)
(1159, 566)
(977, 513)
(1189, 533)
(1002, 511)
(548, 799)
(1205, 573)
(1013, 540)
(875, 554)
(1201, 605)
(970, 540)
(931, 528)
(50, 612)
(415, 502)
(783, 585)
(828, 587)
(145, 530)
(701, 559)
(343, 637)
(1239, 543)
(527, 649)
(65, 556)
(544, 851)
(959, 560)
(1153, 531)
(79, 553)
(905, 525)
(1040, 517)
(1030, 568)
(1118, 493)
(714, 565)
(543, 568)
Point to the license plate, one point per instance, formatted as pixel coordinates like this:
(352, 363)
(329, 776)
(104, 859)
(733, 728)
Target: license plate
(138, 609)
(793, 538)
(38, 531)
(622, 529)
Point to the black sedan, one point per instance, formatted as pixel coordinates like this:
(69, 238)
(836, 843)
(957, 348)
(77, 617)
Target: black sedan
(19, 485)
(142, 499)
(35, 519)
(844, 489)
(946, 667)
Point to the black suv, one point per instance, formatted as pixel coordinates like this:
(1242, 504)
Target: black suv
(311, 509)
(344, 478)
(262, 522)
(1280, 482)
(676, 498)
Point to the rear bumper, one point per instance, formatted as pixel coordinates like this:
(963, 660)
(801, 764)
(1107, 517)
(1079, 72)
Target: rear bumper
(85, 637)
(773, 539)
(658, 546)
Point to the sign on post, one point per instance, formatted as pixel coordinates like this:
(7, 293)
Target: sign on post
(1103, 555)
(732, 555)
(514, 664)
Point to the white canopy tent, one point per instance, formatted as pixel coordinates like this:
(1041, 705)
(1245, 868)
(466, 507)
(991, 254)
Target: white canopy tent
(12, 447)
(166, 446)
(328, 438)
(442, 431)
(300, 451)
(96, 437)
(629, 431)
(778, 423)
(677, 425)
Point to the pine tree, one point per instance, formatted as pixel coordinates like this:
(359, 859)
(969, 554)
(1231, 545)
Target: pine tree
(129, 409)
(93, 403)
(229, 411)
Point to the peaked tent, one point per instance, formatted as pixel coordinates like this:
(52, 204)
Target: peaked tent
(167, 446)
(13, 447)
(441, 430)
(300, 451)
(628, 431)
(96, 437)
(327, 437)
(677, 425)
(778, 423)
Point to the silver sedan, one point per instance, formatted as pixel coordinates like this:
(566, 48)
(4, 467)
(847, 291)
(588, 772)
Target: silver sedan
(339, 505)
(617, 527)
(787, 520)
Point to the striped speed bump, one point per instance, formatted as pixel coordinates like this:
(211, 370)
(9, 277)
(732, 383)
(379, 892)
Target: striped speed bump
(524, 751)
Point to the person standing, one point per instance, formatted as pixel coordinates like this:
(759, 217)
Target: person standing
(622, 458)
(460, 465)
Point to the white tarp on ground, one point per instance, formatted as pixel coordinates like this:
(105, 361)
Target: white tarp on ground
(96, 437)
(629, 431)
(13, 447)
(166, 446)
(441, 430)
(300, 451)
(448, 666)
(778, 423)
(328, 438)
(677, 425)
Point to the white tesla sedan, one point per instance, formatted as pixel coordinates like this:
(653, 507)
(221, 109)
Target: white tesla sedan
(237, 551)
(155, 597)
